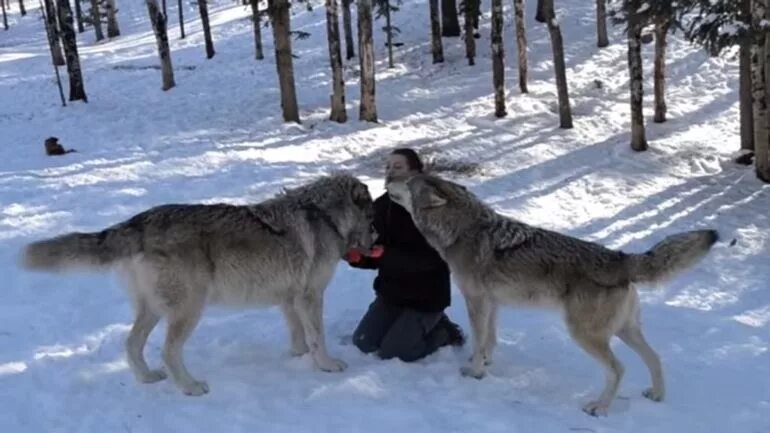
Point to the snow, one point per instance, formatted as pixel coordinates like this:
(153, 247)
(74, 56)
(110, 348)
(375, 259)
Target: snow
(218, 136)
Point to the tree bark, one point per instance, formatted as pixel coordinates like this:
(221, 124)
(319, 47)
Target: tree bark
(97, 20)
(470, 41)
(521, 43)
(158, 21)
(498, 57)
(52, 38)
(165, 11)
(601, 24)
(338, 113)
(181, 18)
(57, 56)
(5, 16)
(257, 29)
(78, 16)
(450, 22)
(22, 9)
(389, 34)
(661, 32)
(368, 109)
(638, 139)
(435, 33)
(204, 11)
(113, 30)
(348, 26)
(540, 11)
(283, 59)
(762, 146)
(746, 114)
(557, 44)
(77, 89)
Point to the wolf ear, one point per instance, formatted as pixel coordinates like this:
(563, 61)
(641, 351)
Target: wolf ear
(435, 200)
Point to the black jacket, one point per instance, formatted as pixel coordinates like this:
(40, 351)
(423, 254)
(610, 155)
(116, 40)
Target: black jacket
(410, 272)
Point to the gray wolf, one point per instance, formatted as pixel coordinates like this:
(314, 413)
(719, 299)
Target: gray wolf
(178, 258)
(497, 260)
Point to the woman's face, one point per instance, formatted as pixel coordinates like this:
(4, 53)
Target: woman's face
(397, 167)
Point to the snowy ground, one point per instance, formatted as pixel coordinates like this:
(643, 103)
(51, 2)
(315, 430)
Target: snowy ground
(218, 136)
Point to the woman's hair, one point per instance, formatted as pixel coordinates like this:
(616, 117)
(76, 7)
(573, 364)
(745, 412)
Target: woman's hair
(411, 157)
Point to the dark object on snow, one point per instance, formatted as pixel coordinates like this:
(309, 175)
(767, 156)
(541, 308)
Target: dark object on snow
(647, 37)
(745, 159)
(52, 147)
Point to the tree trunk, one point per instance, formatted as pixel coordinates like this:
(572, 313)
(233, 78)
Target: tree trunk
(389, 34)
(540, 11)
(470, 42)
(50, 32)
(283, 59)
(22, 9)
(521, 43)
(435, 33)
(97, 20)
(557, 44)
(257, 29)
(368, 109)
(747, 118)
(158, 21)
(762, 146)
(77, 90)
(79, 16)
(204, 10)
(338, 113)
(5, 16)
(54, 38)
(601, 24)
(661, 31)
(450, 22)
(181, 19)
(113, 30)
(165, 11)
(498, 56)
(638, 139)
(348, 26)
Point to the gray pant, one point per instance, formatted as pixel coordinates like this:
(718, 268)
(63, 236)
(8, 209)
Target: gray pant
(395, 332)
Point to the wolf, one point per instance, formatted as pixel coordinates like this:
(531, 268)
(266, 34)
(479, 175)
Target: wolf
(496, 260)
(177, 258)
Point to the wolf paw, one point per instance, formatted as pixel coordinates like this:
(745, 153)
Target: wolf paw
(332, 365)
(298, 350)
(652, 394)
(596, 408)
(470, 371)
(196, 388)
(153, 376)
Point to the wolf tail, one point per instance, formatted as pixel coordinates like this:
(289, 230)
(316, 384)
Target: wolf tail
(670, 256)
(81, 250)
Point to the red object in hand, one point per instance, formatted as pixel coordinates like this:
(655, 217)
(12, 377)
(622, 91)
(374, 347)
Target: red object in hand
(376, 251)
(352, 256)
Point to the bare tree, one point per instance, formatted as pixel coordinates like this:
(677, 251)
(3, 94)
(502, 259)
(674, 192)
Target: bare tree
(5, 16)
(53, 33)
(540, 11)
(760, 76)
(450, 22)
(204, 11)
(557, 44)
(96, 18)
(52, 39)
(165, 11)
(368, 107)
(348, 26)
(338, 113)
(521, 43)
(79, 16)
(388, 31)
(158, 20)
(662, 26)
(470, 41)
(601, 24)
(181, 18)
(77, 89)
(435, 32)
(257, 29)
(112, 20)
(498, 56)
(283, 58)
(22, 9)
(635, 24)
(746, 115)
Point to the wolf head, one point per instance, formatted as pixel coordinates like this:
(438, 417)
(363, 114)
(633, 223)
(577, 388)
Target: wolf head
(442, 210)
